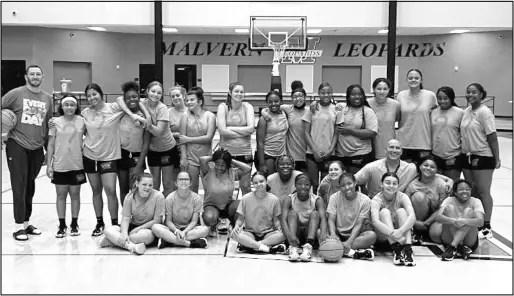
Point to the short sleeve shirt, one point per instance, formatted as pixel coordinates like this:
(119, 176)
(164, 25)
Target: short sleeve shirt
(386, 118)
(446, 139)
(475, 127)
(68, 144)
(165, 141)
(303, 208)
(131, 133)
(322, 127)
(219, 190)
(347, 212)
(473, 203)
(296, 142)
(279, 188)
(102, 142)
(182, 210)
(371, 175)
(349, 145)
(435, 191)
(142, 212)
(259, 213)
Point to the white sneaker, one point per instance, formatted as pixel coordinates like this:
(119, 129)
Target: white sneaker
(263, 248)
(223, 225)
(293, 254)
(485, 233)
(213, 231)
(306, 253)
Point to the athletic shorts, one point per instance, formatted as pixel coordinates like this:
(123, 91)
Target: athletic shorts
(300, 165)
(476, 163)
(451, 163)
(71, 178)
(248, 159)
(367, 226)
(129, 160)
(164, 158)
(258, 238)
(357, 161)
(414, 155)
(222, 213)
(266, 157)
(322, 165)
(102, 167)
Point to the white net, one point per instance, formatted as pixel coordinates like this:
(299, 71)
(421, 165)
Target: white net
(279, 48)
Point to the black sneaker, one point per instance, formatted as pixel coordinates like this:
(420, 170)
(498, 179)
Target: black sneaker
(364, 254)
(464, 251)
(278, 249)
(242, 249)
(99, 230)
(417, 238)
(397, 254)
(408, 256)
(75, 231)
(61, 232)
(164, 244)
(449, 253)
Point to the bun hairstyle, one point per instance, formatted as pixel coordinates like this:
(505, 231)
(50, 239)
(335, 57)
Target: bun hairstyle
(181, 89)
(223, 154)
(130, 85)
(480, 88)
(449, 92)
(231, 87)
(420, 74)
(198, 92)
(296, 84)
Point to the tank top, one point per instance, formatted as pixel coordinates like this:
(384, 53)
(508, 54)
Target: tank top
(303, 208)
(275, 138)
(198, 126)
(236, 146)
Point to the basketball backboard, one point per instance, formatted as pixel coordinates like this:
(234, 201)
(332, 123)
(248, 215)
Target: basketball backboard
(265, 31)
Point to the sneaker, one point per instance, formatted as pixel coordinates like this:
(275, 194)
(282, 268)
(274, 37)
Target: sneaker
(277, 249)
(397, 254)
(199, 243)
(449, 253)
(138, 249)
(417, 238)
(163, 244)
(408, 256)
(75, 231)
(264, 249)
(485, 233)
(99, 230)
(223, 226)
(306, 253)
(213, 231)
(241, 249)
(105, 243)
(61, 232)
(464, 251)
(293, 254)
(367, 254)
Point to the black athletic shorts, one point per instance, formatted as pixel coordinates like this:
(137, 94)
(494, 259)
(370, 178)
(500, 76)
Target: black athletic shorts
(476, 162)
(129, 160)
(322, 165)
(248, 159)
(300, 165)
(414, 155)
(357, 161)
(71, 178)
(451, 163)
(102, 167)
(164, 158)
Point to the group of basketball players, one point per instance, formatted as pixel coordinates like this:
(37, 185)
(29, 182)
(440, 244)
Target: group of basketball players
(326, 170)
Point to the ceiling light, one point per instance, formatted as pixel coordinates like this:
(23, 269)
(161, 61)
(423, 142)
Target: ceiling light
(241, 30)
(459, 31)
(169, 30)
(385, 31)
(314, 31)
(97, 29)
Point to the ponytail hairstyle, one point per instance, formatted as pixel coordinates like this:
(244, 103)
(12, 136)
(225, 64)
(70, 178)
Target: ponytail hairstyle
(450, 93)
(96, 87)
(139, 178)
(198, 92)
(231, 87)
(480, 88)
(420, 75)
(268, 188)
(152, 84)
(326, 84)
(347, 175)
(390, 174)
(181, 89)
(384, 80)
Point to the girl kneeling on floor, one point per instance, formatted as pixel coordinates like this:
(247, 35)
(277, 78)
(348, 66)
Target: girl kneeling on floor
(142, 208)
(183, 208)
(260, 212)
(393, 216)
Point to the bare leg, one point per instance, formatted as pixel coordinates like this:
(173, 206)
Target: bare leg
(292, 222)
(364, 240)
(75, 200)
(385, 217)
(61, 192)
(195, 174)
(273, 238)
(142, 236)
(109, 183)
(156, 173)
(167, 180)
(96, 186)
(402, 217)
(483, 180)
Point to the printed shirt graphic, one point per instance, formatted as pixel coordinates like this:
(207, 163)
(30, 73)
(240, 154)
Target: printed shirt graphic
(236, 146)
(102, 142)
(33, 110)
(68, 143)
(415, 130)
(322, 127)
(446, 140)
(131, 133)
(142, 212)
(386, 118)
(475, 127)
(258, 213)
(181, 210)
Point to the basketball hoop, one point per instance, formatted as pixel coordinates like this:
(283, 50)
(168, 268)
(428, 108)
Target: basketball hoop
(279, 48)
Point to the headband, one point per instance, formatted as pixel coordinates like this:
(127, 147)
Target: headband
(69, 99)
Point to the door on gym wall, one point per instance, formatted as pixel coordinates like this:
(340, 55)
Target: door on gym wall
(185, 75)
(13, 75)
(79, 73)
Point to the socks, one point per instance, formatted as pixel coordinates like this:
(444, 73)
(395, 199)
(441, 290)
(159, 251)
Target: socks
(62, 223)
(198, 243)
(487, 224)
(263, 248)
(350, 253)
(100, 220)
(18, 227)
(74, 222)
(114, 221)
(25, 224)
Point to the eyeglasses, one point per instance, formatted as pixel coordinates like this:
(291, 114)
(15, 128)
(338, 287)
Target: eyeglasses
(296, 97)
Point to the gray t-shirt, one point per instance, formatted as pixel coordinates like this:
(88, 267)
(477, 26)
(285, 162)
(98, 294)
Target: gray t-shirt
(33, 110)
(258, 212)
(386, 117)
(446, 139)
(68, 144)
(142, 212)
